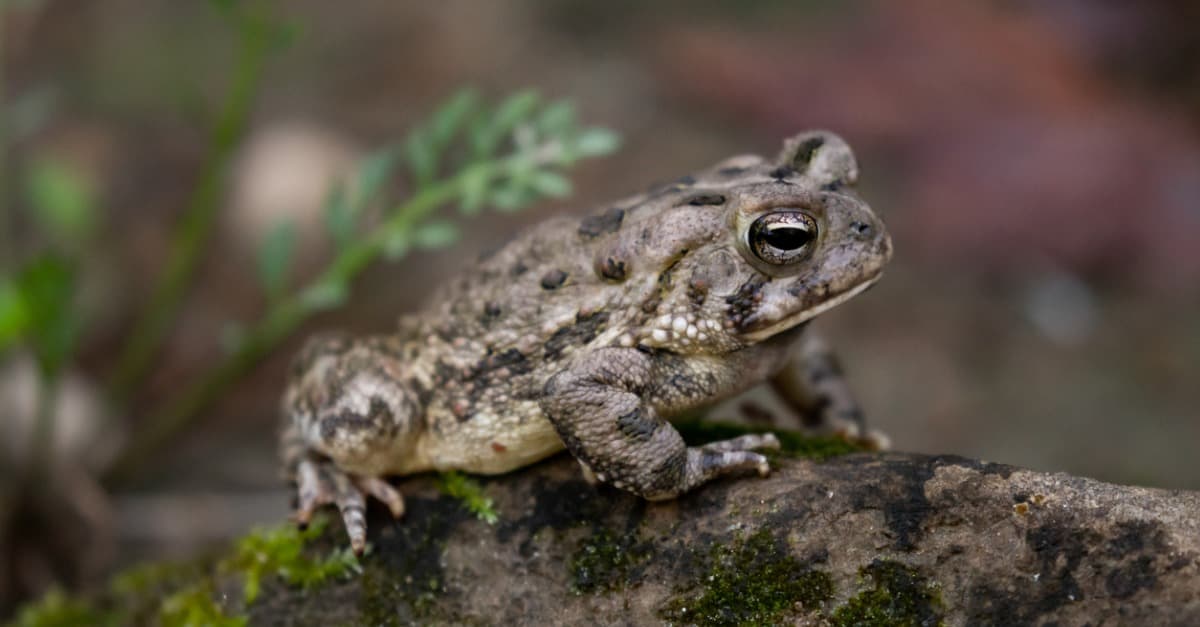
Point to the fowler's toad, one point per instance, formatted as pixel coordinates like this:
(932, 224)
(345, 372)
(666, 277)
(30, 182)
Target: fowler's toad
(591, 333)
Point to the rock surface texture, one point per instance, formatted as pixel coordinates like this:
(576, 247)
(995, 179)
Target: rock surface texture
(859, 539)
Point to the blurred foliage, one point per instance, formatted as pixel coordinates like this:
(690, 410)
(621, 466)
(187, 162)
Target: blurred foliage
(56, 609)
(468, 154)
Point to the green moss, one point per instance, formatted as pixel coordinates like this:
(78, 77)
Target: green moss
(193, 606)
(696, 432)
(56, 609)
(280, 552)
(751, 582)
(139, 590)
(459, 486)
(898, 595)
(604, 561)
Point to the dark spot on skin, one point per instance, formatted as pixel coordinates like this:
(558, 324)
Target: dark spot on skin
(491, 311)
(512, 360)
(745, 301)
(585, 329)
(668, 475)
(861, 229)
(665, 277)
(598, 224)
(499, 448)
(805, 152)
(690, 386)
(650, 305)
(636, 426)
(613, 269)
(379, 416)
(422, 393)
(518, 269)
(835, 186)
(706, 199)
(731, 171)
(686, 180)
(444, 372)
(553, 279)
(781, 173)
(697, 292)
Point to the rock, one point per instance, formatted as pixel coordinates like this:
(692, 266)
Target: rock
(857, 539)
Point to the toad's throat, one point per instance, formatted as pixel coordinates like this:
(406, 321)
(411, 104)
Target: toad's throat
(763, 329)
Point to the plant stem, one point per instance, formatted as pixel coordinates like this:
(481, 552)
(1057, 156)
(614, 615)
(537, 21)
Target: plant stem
(193, 233)
(280, 320)
(6, 250)
(41, 446)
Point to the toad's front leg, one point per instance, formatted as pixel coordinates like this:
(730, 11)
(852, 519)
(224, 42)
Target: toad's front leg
(604, 408)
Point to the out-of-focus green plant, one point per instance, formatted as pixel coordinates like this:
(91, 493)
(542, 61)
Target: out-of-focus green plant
(466, 154)
(259, 32)
(280, 552)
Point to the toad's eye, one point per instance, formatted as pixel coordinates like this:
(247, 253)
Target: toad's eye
(783, 237)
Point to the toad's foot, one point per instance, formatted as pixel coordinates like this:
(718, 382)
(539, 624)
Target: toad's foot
(736, 448)
(870, 439)
(321, 483)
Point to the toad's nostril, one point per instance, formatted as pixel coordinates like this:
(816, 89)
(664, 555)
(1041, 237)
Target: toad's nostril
(862, 229)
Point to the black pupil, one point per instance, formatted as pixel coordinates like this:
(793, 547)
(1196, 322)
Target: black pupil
(787, 237)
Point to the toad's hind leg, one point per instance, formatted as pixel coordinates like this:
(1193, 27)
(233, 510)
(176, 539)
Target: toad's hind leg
(604, 410)
(812, 384)
(346, 416)
(320, 482)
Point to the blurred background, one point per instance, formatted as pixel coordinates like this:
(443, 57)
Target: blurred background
(1038, 164)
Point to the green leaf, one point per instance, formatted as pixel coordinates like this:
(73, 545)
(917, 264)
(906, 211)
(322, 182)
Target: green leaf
(474, 190)
(47, 286)
(435, 234)
(324, 295)
(397, 244)
(339, 217)
(513, 111)
(14, 314)
(550, 183)
(596, 142)
(372, 174)
(275, 258)
(556, 119)
(422, 158)
(512, 197)
(450, 117)
(61, 200)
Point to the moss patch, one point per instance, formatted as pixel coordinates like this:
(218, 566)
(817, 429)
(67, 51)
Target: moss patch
(56, 609)
(194, 605)
(459, 486)
(898, 596)
(185, 593)
(280, 552)
(605, 561)
(751, 582)
(792, 444)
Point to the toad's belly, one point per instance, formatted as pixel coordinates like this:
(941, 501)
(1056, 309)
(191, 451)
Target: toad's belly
(487, 443)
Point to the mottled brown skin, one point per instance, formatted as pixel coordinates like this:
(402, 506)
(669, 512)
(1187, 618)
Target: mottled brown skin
(591, 333)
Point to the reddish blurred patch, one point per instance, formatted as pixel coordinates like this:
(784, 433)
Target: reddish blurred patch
(1005, 147)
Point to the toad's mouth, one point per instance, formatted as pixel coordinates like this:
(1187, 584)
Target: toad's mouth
(765, 328)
